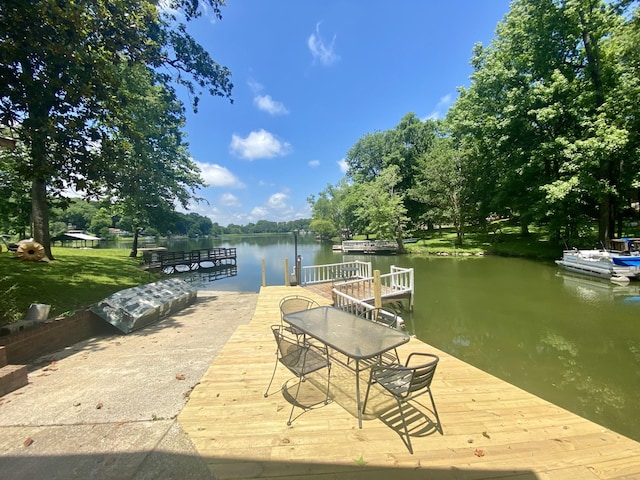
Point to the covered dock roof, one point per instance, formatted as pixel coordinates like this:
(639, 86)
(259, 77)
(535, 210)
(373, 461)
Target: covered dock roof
(78, 238)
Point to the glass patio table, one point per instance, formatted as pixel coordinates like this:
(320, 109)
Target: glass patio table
(353, 336)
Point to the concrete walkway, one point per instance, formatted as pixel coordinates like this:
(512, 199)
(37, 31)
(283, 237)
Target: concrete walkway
(106, 408)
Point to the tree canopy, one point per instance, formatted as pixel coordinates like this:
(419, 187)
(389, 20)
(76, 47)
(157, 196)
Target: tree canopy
(547, 131)
(65, 86)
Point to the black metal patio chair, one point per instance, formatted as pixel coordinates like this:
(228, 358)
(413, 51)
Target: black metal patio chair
(295, 303)
(406, 382)
(300, 359)
(388, 319)
(381, 316)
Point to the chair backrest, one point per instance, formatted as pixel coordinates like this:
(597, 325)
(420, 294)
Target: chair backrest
(289, 348)
(422, 374)
(381, 316)
(296, 303)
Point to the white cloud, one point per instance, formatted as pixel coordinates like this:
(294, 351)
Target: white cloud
(217, 176)
(258, 213)
(269, 105)
(260, 144)
(227, 209)
(314, 163)
(278, 201)
(266, 103)
(441, 107)
(221, 214)
(229, 200)
(276, 208)
(320, 51)
(342, 164)
(255, 87)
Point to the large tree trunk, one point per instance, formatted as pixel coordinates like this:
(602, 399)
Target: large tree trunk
(40, 216)
(39, 205)
(134, 247)
(400, 242)
(604, 220)
(36, 126)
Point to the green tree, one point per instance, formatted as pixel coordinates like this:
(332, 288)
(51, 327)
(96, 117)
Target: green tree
(323, 227)
(14, 194)
(440, 184)
(401, 146)
(146, 166)
(57, 80)
(539, 123)
(78, 213)
(101, 222)
(336, 206)
(324, 213)
(382, 209)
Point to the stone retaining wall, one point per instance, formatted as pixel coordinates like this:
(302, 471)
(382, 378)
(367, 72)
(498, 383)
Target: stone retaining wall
(46, 337)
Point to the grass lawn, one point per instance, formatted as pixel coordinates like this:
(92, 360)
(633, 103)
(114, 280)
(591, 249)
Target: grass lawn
(500, 238)
(77, 278)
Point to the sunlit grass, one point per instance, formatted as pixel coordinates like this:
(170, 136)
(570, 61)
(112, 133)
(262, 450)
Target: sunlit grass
(499, 238)
(77, 278)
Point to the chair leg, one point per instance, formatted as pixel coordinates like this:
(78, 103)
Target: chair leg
(266, 393)
(435, 411)
(295, 400)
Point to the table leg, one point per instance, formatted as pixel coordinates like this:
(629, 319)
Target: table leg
(358, 393)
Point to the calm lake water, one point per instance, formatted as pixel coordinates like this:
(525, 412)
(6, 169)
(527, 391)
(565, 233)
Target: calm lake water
(570, 340)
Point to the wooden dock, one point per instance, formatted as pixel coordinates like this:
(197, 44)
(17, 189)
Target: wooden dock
(375, 247)
(491, 429)
(173, 262)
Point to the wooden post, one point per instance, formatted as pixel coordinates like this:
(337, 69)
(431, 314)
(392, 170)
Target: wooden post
(286, 272)
(377, 289)
(264, 274)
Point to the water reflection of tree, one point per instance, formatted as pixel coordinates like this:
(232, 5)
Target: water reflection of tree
(595, 392)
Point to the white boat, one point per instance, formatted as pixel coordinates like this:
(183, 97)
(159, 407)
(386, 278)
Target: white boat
(601, 263)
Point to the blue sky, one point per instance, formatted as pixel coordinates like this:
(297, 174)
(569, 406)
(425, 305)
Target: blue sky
(310, 79)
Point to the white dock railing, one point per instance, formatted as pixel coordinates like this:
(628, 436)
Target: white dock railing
(358, 307)
(397, 284)
(354, 286)
(334, 272)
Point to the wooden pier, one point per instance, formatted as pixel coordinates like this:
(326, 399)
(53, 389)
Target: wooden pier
(491, 429)
(374, 247)
(174, 262)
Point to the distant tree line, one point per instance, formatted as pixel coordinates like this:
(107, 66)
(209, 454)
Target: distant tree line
(266, 226)
(548, 133)
(98, 219)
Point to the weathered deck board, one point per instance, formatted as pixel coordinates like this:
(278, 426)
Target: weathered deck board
(491, 428)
